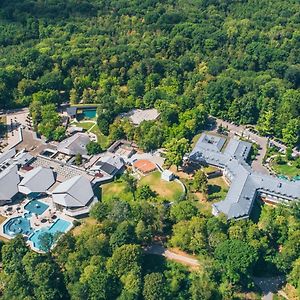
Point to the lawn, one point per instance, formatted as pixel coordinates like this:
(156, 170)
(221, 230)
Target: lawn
(115, 189)
(84, 124)
(102, 139)
(287, 169)
(2, 219)
(168, 190)
(2, 125)
(217, 189)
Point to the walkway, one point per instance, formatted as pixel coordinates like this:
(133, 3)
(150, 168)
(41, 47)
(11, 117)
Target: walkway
(184, 259)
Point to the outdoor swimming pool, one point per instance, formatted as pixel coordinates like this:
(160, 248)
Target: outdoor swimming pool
(18, 225)
(89, 113)
(36, 207)
(60, 225)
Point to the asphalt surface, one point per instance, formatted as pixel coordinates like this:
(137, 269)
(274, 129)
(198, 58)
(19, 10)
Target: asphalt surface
(242, 131)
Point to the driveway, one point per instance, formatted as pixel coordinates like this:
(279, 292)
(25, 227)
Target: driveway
(242, 131)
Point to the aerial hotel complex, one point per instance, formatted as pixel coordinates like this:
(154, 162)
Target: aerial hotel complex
(245, 184)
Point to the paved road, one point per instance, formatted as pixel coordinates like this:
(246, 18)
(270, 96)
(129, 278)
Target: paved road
(160, 250)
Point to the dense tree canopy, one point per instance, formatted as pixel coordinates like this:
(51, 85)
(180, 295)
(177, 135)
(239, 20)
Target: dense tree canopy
(238, 60)
(186, 58)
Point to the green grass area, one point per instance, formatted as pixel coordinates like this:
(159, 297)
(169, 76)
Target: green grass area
(195, 139)
(285, 168)
(210, 169)
(85, 124)
(168, 190)
(115, 189)
(217, 189)
(2, 220)
(91, 105)
(102, 139)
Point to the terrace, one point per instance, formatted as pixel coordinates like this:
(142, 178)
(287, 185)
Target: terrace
(31, 218)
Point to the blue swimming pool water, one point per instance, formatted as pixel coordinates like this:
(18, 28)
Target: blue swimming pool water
(59, 226)
(18, 225)
(89, 113)
(36, 207)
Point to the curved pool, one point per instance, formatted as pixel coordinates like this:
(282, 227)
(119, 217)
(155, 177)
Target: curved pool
(18, 225)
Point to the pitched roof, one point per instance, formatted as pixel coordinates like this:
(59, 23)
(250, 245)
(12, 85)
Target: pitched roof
(72, 111)
(209, 142)
(137, 116)
(75, 144)
(238, 149)
(75, 192)
(245, 183)
(109, 164)
(9, 180)
(38, 180)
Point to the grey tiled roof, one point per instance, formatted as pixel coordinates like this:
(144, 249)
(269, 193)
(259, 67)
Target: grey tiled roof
(9, 180)
(75, 192)
(71, 111)
(38, 180)
(75, 144)
(245, 183)
(238, 149)
(209, 142)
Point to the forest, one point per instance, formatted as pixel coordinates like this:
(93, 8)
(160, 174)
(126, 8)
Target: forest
(105, 258)
(238, 60)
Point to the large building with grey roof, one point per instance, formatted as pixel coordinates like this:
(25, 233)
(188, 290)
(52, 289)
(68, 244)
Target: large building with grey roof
(9, 180)
(245, 184)
(74, 196)
(75, 144)
(37, 181)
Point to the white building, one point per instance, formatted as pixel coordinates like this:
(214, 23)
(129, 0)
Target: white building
(167, 175)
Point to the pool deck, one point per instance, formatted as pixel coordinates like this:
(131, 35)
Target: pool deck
(18, 210)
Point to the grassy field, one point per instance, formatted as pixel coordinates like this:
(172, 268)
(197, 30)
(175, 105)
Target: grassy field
(2, 125)
(102, 139)
(115, 189)
(85, 223)
(167, 190)
(85, 125)
(217, 189)
(287, 169)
